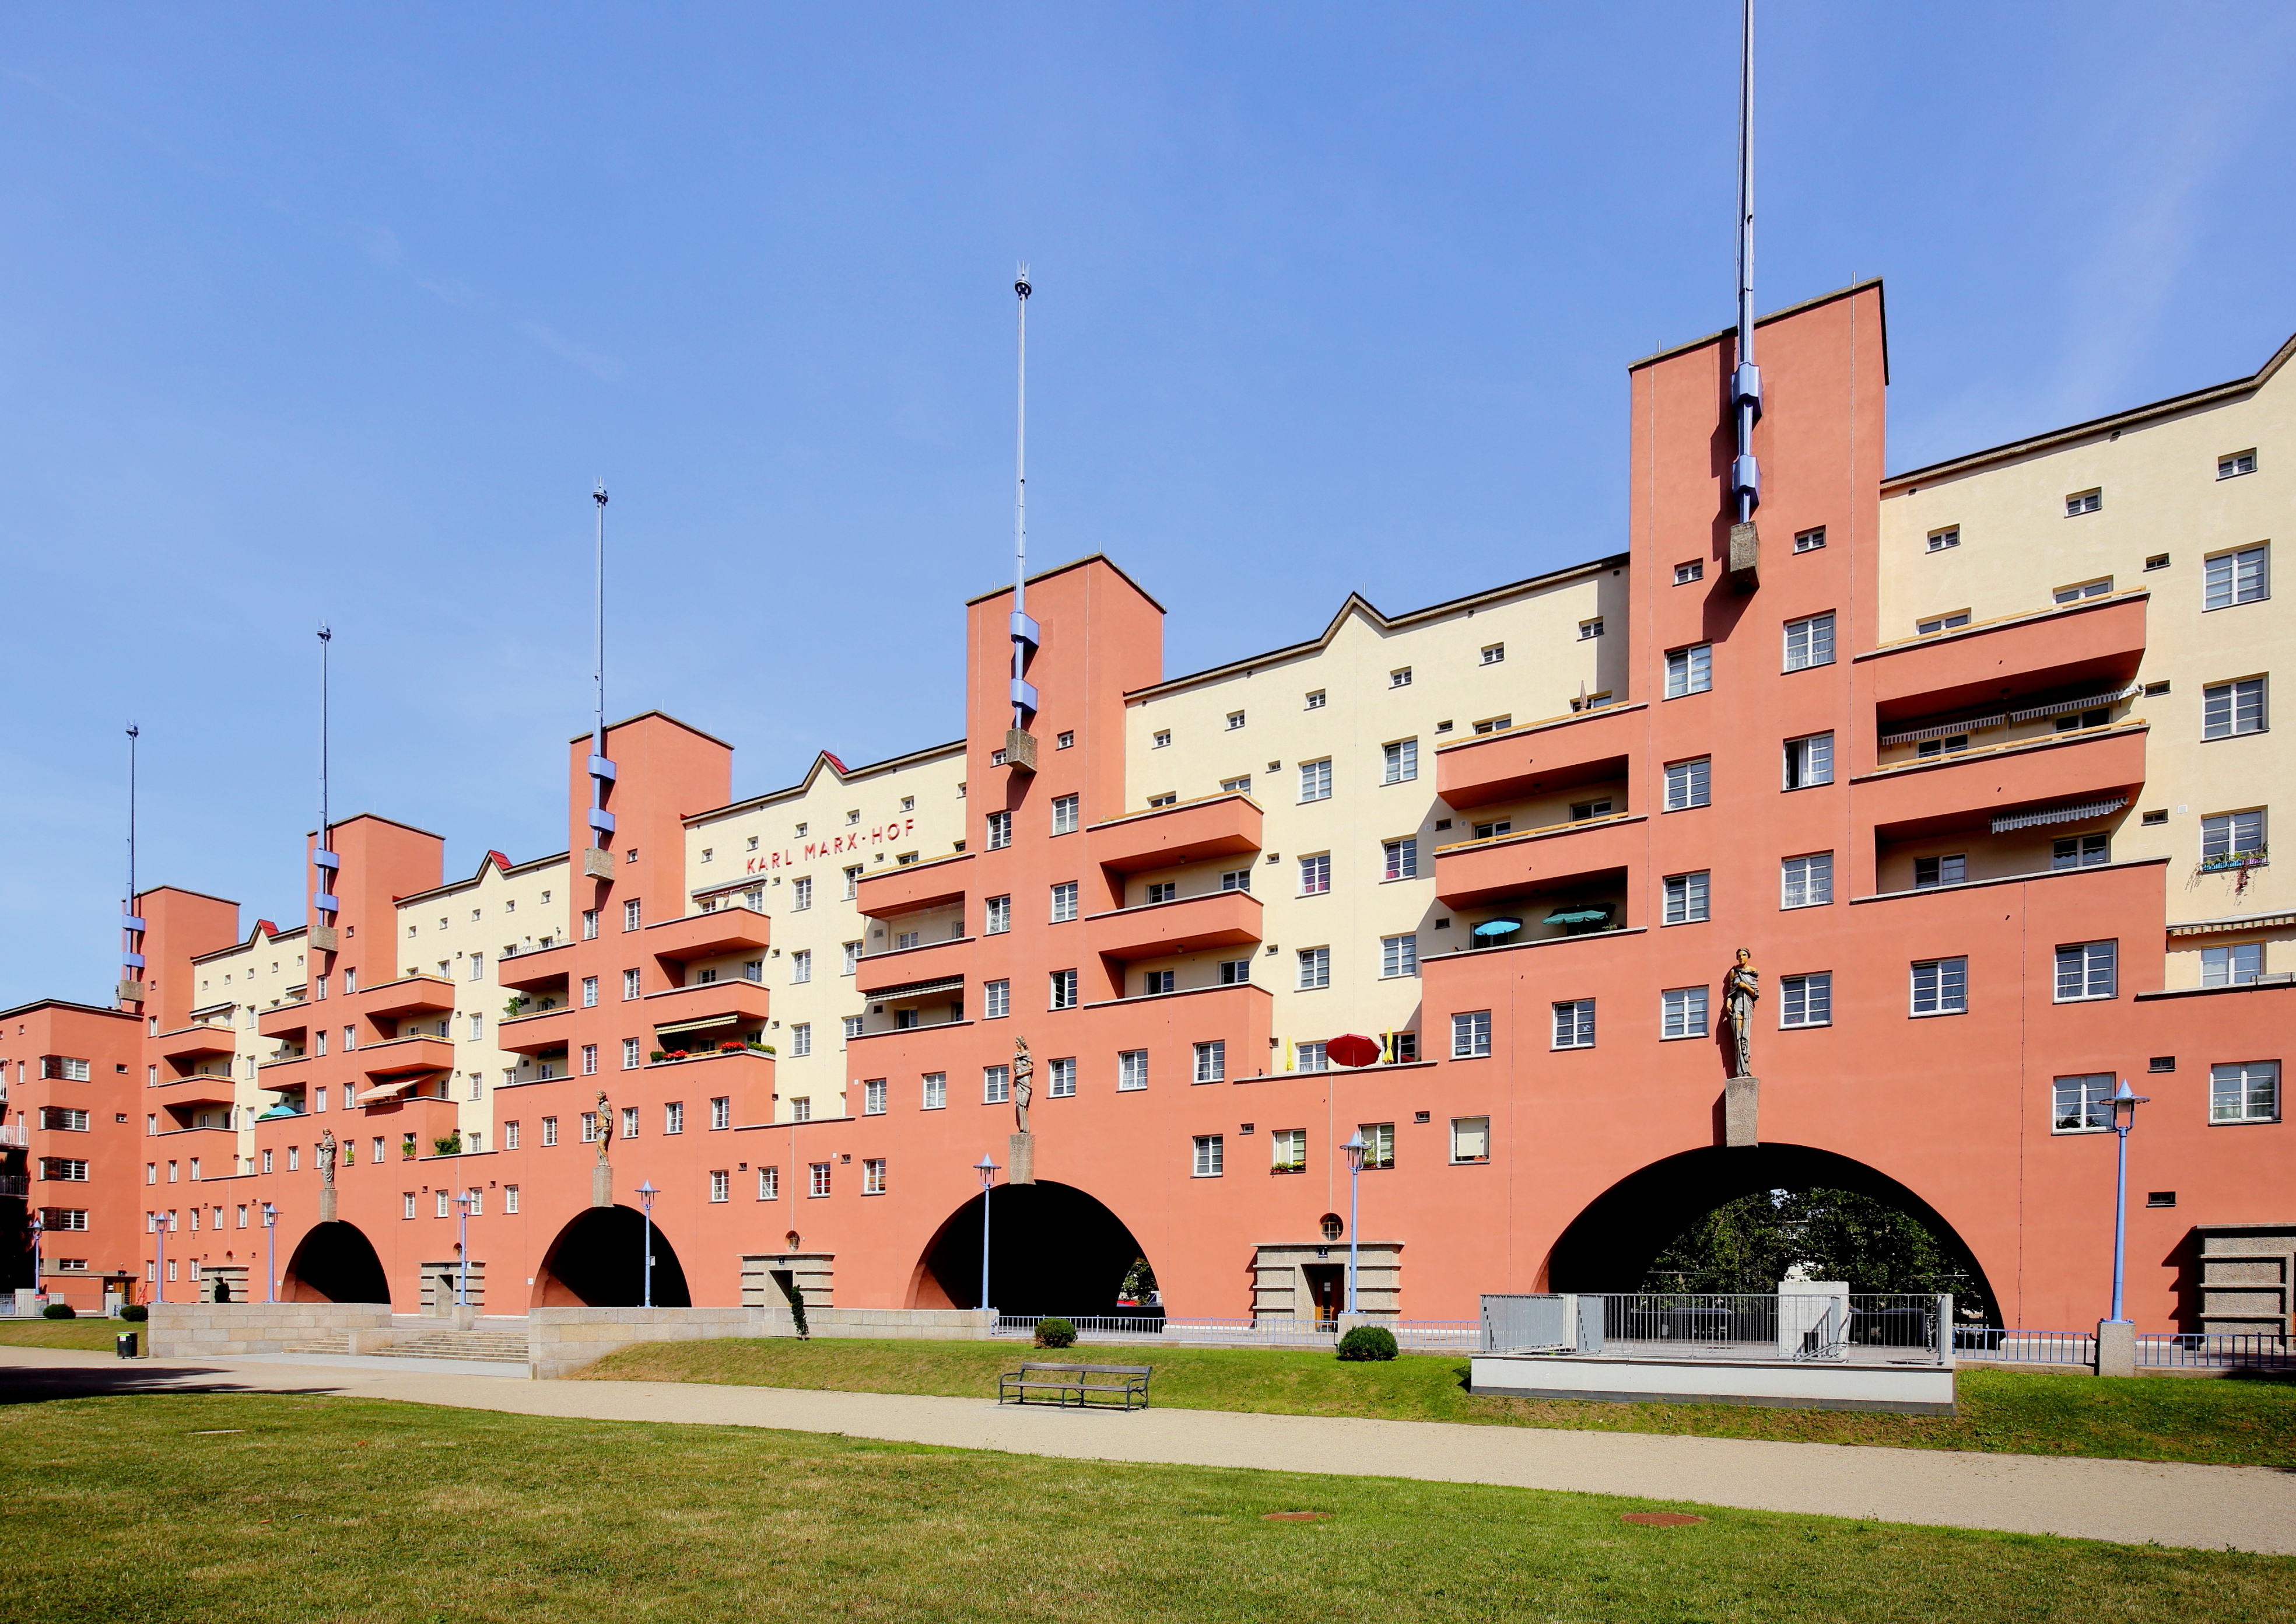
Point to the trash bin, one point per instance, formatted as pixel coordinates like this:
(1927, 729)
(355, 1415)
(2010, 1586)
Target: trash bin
(123, 1344)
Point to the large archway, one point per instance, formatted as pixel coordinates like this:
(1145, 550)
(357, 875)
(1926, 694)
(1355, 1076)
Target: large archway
(598, 1261)
(334, 1262)
(1611, 1246)
(1052, 1250)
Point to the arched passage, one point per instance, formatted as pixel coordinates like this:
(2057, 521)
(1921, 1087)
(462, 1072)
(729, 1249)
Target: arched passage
(598, 1261)
(334, 1262)
(1611, 1244)
(1052, 1250)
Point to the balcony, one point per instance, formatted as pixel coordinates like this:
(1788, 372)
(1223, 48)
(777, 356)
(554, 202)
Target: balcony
(403, 1056)
(1530, 862)
(1222, 826)
(1187, 924)
(733, 1005)
(412, 996)
(198, 1089)
(292, 1072)
(914, 887)
(880, 973)
(711, 935)
(540, 1033)
(1593, 747)
(746, 1077)
(193, 1043)
(1965, 790)
(288, 1023)
(2096, 643)
(546, 967)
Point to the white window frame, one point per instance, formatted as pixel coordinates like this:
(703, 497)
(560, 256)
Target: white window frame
(2236, 1098)
(1211, 1154)
(1807, 762)
(2095, 968)
(1689, 785)
(1315, 969)
(1808, 642)
(1682, 1013)
(1131, 1070)
(1065, 814)
(1471, 1035)
(1398, 956)
(1690, 670)
(933, 1091)
(1806, 1000)
(1465, 1131)
(1064, 902)
(1685, 899)
(1315, 780)
(2081, 1104)
(995, 1000)
(1062, 1077)
(1399, 762)
(2229, 699)
(1211, 1061)
(1944, 973)
(1399, 858)
(1806, 880)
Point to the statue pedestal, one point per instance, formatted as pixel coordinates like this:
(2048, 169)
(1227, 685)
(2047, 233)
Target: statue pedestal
(1742, 1097)
(602, 1184)
(326, 1203)
(1021, 1161)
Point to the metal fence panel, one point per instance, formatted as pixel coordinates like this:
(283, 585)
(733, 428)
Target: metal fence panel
(1537, 1322)
(2218, 1351)
(2024, 1346)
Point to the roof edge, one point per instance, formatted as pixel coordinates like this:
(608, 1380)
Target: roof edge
(1811, 303)
(1075, 564)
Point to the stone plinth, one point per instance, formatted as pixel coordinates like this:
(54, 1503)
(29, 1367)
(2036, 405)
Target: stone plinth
(193, 1330)
(1021, 1159)
(1741, 1099)
(2116, 1348)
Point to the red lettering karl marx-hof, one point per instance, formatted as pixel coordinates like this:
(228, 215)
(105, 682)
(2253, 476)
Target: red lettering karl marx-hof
(836, 845)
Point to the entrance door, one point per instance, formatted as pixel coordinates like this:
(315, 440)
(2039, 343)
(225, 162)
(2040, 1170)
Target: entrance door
(1328, 1287)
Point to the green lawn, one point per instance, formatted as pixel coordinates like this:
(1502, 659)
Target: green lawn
(2218, 1423)
(203, 1507)
(85, 1334)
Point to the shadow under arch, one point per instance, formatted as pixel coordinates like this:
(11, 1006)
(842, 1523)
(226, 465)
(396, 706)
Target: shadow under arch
(334, 1262)
(1053, 1249)
(598, 1261)
(1611, 1245)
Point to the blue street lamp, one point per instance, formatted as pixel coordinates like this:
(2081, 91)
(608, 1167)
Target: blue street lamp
(1355, 1150)
(987, 1171)
(160, 1268)
(270, 1253)
(462, 1250)
(646, 1192)
(2124, 1118)
(37, 1229)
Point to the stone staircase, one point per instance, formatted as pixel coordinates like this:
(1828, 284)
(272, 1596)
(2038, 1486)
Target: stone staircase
(500, 1347)
(321, 1344)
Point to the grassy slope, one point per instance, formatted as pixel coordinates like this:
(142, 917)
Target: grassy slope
(2224, 1423)
(83, 1334)
(347, 1510)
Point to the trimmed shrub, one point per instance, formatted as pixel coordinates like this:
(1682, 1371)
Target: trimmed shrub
(133, 1311)
(60, 1310)
(1368, 1343)
(1056, 1333)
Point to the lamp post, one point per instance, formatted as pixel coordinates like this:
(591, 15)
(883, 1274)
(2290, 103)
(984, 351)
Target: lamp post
(646, 1192)
(1355, 1150)
(2124, 1118)
(462, 1250)
(987, 1171)
(159, 1268)
(270, 1253)
(37, 1229)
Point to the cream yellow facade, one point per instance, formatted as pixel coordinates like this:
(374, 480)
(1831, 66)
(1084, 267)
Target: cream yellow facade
(2180, 503)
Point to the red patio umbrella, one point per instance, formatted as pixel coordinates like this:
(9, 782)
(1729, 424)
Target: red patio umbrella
(1352, 1049)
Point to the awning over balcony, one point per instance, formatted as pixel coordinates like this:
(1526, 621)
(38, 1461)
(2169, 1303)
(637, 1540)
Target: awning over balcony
(706, 1023)
(918, 989)
(391, 1089)
(2058, 815)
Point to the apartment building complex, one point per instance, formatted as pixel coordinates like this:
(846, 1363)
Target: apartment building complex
(1973, 760)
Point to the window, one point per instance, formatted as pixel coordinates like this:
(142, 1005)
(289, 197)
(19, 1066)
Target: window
(998, 916)
(1471, 1035)
(2244, 1091)
(721, 1112)
(2083, 502)
(1170, 798)
(1000, 831)
(1235, 973)
(1949, 536)
(1592, 628)
(72, 1169)
(1952, 745)
(1399, 762)
(442, 1204)
(1402, 857)
(1161, 739)
(1211, 1061)
(2086, 589)
(1234, 720)
(1689, 670)
(2082, 851)
(873, 1176)
(996, 1085)
(769, 1184)
(1494, 653)
(1064, 814)
(1131, 1070)
(2235, 578)
(1062, 1076)
(477, 1028)
(2231, 708)
(1309, 1057)
(629, 1121)
(631, 985)
(936, 1091)
(549, 1130)
(1807, 1000)
(1810, 641)
(1470, 1139)
(1236, 786)
(1398, 956)
(2233, 840)
(589, 924)
(2085, 970)
(1287, 1150)
(1496, 724)
(852, 956)
(801, 1108)
(1236, 880)
(673, 1117)
(1065, 740)
(589, 992)
(800, 893)
(1315, 968)
(1064, 989)
(721, 1184)
(1400, 678)
(1688, 783)
(1316, 874)
(1153, 981)
(1806, 882)
(2237, 463)
(801, 966)
(63, 1117)
(1686, 899)
(1681, 1012)
(1941, 987)
(2075, 720)
(1809, 541)
(2236, 965)
(1315, 700)
(478, 971)
(2081, 1105)
(1942, 623)
(1810, 761)
(800, 1040)
(1574, 1023)
(1315, 780)
(818, 1183)
(589, 1060)
(852, 879)
(631, 914)
(1064, 902)
(2156, 561)
(996, 1000)
(1582, 810)
(1209, 1155)
(1694, 570)
(1163, 890)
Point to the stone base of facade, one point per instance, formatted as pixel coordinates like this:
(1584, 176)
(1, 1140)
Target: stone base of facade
(196, 1329)
(1907, 1389)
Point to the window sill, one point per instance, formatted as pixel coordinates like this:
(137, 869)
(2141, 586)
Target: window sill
(1934, 1014)
(1684, 1038)
(2219, 738)
(1669, 925)
(1470, 1162)
(2104, 998)
(1807, 1026)
(2243, 1122)
(2075, 1133)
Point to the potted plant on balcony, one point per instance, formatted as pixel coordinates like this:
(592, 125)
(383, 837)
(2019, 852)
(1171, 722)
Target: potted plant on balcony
(448, 1144)
(518, 1002)
(732, 1045)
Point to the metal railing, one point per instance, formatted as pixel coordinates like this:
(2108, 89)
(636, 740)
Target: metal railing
(1892, 1327)
(2219, 1351)
(2024, 1346)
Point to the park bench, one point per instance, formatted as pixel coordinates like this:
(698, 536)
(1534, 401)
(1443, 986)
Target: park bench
(1129, 1382)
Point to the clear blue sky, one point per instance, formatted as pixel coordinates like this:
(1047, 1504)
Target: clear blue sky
(325, 312)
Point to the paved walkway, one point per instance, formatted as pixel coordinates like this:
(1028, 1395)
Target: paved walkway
(2248, 1508)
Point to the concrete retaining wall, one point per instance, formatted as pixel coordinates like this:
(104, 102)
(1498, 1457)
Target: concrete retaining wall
(194, 1330)
(1911, 1388)
(562, 1340)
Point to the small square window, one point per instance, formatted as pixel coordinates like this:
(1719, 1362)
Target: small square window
(1159, 739)
(2239, 463)
(1400, 678)
(2157, 561)
(1494, 653)
(1949, 536)
(1234, 720)
(1693, 570)
(1315, 700)
(2083, 502)
(1063, 741)
(1809, 541)
(1942, 623)
(1590, 628)
(2086, 589)
(1471, 1035)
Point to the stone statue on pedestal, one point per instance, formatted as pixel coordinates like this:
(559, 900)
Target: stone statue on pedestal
(1742, 988)
(1024, 1071)
(327, 1150)
(605, 1126)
